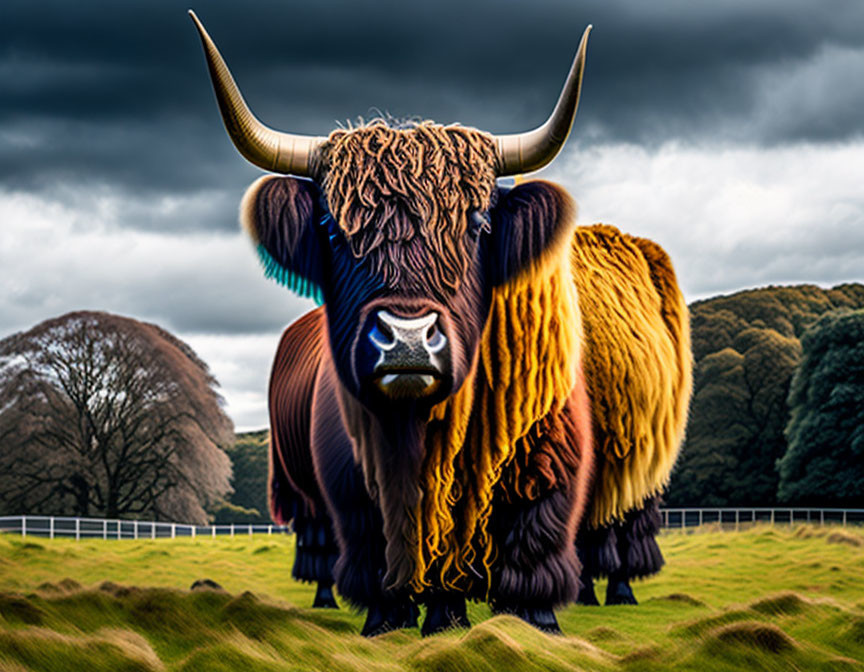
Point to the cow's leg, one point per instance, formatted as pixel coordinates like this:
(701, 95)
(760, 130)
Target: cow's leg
(538, 568)
(638, 550)
(361, 564)
(536, 519)
(598, 553)
(316, 554)
(444, 611)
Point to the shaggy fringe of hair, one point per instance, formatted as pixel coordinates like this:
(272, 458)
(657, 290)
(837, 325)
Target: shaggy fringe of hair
(528, 364)
(403, 195)
(637, 363)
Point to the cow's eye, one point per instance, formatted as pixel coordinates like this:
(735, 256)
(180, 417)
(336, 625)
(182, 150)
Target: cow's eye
(479, 223)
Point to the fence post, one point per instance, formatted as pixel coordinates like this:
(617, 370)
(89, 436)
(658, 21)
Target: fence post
(844, 517)
(119, 529)
(269, 530)
(213, 531)
(194, 530)
(683, 518)
(232, 530)
(772, 517)
(737, 518)
(173, 530)
(135, 529)
(700, 517)
(105, 529)
(77, 529)
(250, 529)
(51, 527)
(23, 526)
(791, 517)
(153, 529)
(822, 517)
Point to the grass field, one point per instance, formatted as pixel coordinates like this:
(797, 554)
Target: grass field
(761, 599)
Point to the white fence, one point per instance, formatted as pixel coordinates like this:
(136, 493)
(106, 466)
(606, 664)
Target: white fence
(684, 518)
(100, 528)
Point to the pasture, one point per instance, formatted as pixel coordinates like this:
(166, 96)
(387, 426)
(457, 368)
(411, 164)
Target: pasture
(767, 598)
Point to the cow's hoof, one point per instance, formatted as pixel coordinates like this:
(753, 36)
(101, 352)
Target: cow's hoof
(542, 619)
(324, 598)
(587, 596)
(619, 592)
(389, 616)
(444, 613)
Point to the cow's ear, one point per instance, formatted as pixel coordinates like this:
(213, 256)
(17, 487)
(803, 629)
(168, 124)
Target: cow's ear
(529, 222)
(282, 216)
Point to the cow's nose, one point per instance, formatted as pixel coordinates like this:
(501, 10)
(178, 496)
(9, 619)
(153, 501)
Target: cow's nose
(413, 356)
(406, 343)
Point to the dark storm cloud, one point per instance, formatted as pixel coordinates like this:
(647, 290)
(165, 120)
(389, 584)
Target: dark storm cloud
(116, 93)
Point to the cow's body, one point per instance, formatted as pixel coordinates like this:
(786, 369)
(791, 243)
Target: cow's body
(626, 285)
(483, 381)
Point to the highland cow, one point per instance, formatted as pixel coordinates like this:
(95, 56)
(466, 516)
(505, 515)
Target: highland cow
(486, 395)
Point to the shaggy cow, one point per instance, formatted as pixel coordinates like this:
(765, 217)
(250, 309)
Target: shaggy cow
(432, 422)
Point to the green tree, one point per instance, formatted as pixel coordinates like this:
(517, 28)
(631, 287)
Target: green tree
(746, 348)
(736, 437)
(824, 464)
(249, 458)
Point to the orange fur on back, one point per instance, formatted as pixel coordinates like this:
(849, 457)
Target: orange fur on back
(637, 362)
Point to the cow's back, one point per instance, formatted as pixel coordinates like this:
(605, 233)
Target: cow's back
(292, 381)
(637, 363)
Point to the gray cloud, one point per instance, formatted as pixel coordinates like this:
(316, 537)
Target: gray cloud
(117, 92)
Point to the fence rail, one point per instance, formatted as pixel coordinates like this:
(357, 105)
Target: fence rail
(684, 518)
(100, 528)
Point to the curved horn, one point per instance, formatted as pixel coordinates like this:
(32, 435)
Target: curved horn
(272, 150)
(524, 152)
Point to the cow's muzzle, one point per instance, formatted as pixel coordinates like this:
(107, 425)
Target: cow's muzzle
(413, 354)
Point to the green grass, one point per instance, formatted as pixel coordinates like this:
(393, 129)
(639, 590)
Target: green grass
(761, 599)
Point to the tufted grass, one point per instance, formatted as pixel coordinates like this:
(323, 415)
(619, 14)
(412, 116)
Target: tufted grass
(760, 599)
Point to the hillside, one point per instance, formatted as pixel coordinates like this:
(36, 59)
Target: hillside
(763, 599)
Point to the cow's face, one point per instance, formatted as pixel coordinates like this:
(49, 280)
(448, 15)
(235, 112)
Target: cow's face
(405, 234)
(391, 231)
(407, 298)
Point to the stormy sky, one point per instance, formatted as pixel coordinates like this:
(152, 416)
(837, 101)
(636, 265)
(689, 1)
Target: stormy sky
(731, 132)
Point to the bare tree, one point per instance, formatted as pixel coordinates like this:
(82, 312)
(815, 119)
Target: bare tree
(102, 414)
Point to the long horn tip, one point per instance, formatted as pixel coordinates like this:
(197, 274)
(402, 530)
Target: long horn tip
(196, 21)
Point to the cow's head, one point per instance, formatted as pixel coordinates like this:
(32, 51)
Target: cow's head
(401, 230)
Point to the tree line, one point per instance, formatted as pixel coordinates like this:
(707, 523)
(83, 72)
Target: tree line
(777, 413)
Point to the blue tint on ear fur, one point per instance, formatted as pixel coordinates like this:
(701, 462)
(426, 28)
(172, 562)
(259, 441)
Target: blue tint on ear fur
(296, 283)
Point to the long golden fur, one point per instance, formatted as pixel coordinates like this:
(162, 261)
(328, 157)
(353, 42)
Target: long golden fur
(637, 363)
(529, 363)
